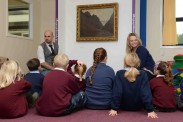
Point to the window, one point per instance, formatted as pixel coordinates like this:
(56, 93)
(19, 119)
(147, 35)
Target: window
(172, 23)
(179, 21)
(19, 18)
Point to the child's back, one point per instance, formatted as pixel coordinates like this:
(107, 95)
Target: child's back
(12, 91)
(61, 93)
(36, 79)
(163, 95)
(99, 81)
(79, 71)
(162, 88)
(131, 90)
(34, 76)
(57, 85)
(132, 95)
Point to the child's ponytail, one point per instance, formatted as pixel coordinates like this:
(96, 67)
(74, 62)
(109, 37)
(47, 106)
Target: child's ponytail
(165, 69)
(131, 60)
(80, 70)
(131, 74)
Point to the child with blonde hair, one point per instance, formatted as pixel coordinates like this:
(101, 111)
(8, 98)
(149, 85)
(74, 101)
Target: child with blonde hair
(61, 94)
(131, 89)
(12, 89)
(162, 88)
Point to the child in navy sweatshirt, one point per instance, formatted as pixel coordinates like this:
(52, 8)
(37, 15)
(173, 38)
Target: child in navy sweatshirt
(131, 89)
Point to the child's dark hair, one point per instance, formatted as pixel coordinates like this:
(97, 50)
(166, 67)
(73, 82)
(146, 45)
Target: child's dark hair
(98, 56)
(80, 70)
(165, 69)
(33, 64)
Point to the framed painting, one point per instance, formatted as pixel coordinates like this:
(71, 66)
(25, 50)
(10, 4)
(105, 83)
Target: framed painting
(97, 22)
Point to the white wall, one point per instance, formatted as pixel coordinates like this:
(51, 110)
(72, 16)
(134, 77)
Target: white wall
(21, 49)
(154, 33)
(84, 50)
(47, 17)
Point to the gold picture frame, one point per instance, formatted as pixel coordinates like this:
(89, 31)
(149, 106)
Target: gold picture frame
(97, 22)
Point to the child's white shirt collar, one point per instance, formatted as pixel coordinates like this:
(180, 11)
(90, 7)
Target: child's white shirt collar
(127, 68)
(59, 69)
(35, 71)
(77, 75)
(160, 76)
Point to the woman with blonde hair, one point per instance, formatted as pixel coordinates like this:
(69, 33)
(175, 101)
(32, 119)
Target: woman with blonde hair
(131, 89)
(13, 102)
(134, 44)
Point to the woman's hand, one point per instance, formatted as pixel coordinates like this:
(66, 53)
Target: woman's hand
(152, 115)
(113, 113)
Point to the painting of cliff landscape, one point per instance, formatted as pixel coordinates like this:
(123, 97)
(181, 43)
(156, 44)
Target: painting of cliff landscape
(97, 22)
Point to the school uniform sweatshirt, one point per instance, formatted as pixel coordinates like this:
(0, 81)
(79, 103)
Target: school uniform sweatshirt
(99, 94)
(131, 95)
(58, 88)
(163, 95)
(13, 102)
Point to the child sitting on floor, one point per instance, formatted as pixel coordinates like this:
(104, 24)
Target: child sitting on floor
(79, 71)
(131, 89)
(162, 89)
(99, 81)
(36, 79)
(61, 94)
(12, 91)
